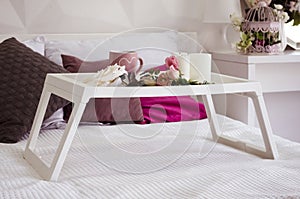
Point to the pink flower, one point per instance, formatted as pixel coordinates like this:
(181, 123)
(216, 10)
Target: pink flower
(163, 80)
(260, 42)
(173, 74)
(172, 61)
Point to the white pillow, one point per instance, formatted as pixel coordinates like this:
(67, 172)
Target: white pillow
(37, 44)
(188, 43)
(80, 49)
(152, 47)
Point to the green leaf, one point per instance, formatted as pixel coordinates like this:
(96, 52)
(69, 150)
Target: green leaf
(244, 36)
(156, 72)
(296, 18)
(260, 36)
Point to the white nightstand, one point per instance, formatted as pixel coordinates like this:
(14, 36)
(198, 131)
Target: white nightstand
(280, 79)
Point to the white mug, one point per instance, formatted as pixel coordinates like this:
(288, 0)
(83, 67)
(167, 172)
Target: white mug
(129, 59)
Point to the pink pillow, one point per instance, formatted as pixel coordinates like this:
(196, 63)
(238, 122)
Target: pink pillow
(171, 109)
(163, 67)
(76, 65)
(102, 109)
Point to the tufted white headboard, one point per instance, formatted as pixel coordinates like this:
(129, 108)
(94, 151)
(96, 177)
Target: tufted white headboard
(152, 46)
(66, 36)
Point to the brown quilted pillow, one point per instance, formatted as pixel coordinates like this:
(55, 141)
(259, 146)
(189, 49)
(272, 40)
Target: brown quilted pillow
(22, 75)
(102, 109)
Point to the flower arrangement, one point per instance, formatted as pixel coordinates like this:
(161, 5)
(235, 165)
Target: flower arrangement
(168, 74)
(110, 76)
(261, 29)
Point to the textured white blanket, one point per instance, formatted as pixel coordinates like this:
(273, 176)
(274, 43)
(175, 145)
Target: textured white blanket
(154, 161)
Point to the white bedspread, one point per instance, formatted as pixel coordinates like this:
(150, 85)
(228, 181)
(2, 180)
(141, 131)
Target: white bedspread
(108, 163)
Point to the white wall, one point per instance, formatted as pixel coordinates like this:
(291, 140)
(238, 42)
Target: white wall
(56, 16)
(88, 16)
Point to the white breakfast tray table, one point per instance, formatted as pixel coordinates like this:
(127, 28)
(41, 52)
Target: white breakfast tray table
(72, 88)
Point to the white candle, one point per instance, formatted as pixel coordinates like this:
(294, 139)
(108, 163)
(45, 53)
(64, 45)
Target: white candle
(184, 64)
(200, 66)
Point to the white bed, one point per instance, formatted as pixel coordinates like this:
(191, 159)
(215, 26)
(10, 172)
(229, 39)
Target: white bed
(105, 162)
(205, 170)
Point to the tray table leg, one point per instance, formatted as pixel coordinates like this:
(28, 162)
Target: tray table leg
(52, 172)
(264, 123)
(66, 141)
(212, 116)
(266, 130)
(38, 119)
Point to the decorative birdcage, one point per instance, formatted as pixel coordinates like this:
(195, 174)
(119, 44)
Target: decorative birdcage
(264, 29)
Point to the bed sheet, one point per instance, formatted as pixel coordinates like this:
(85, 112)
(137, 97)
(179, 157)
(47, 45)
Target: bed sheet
(171, 160)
